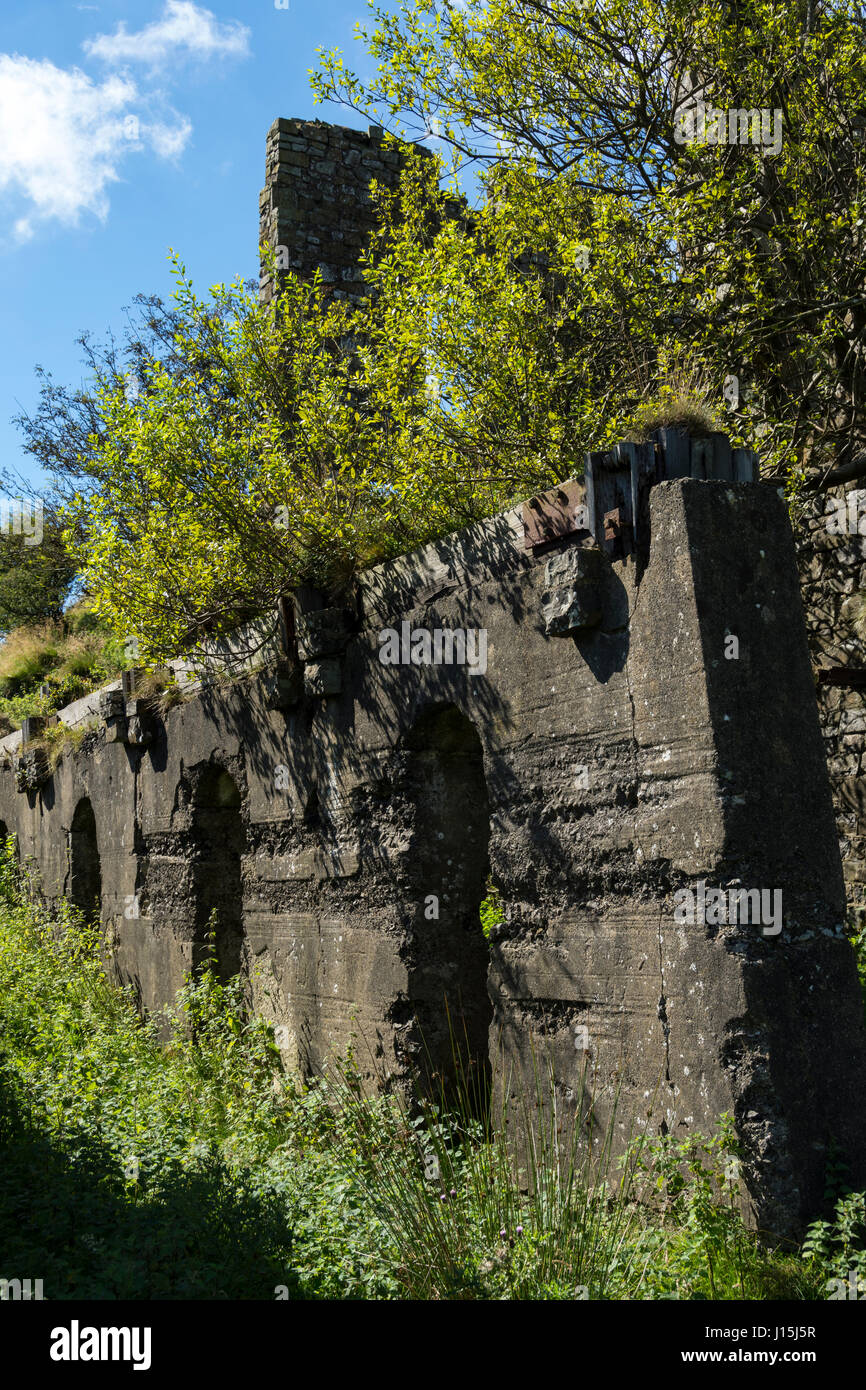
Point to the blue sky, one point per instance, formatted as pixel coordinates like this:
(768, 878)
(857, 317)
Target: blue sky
(126, 129)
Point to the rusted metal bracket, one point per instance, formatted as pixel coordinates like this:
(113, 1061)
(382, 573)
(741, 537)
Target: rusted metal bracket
(616, 528)
(561, 511)
(619, 479)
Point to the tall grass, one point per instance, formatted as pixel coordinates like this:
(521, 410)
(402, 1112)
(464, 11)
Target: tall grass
(44, 666)
(507, 1200)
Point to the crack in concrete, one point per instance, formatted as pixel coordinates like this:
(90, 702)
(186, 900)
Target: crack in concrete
(662, 1004)
(662, 1007)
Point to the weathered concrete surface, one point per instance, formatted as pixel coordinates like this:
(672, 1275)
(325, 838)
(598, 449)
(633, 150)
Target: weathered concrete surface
(344, 841)
(830, 529)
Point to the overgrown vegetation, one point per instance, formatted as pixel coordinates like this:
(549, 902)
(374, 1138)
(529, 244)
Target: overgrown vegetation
(491, 910)
(132, 1167)
(45, 666)
(745, 254)
(36, 572)
(229, 449)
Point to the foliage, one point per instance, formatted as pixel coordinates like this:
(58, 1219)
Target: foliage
(231, 449)
(699, 1184)
(493, 1196)
(68, 657)
(143, 1150)
(748, 260)
(839, 1246)
(490, 910)
(36, 579)
(270, 450)
(323, 437)
(297, 440)
(27, 655)
(176, 1159)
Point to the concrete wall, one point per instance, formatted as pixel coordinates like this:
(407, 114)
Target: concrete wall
(342, 822)
(315, 209)
(831, 545)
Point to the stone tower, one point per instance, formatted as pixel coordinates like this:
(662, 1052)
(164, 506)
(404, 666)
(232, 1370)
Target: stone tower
(315, 208)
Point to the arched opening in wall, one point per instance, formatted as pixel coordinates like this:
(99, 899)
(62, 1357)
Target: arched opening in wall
(220, 841)
(85, 877)
(448, 866)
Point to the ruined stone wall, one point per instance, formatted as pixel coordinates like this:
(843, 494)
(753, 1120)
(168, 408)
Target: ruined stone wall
(315, 209)
(600, 753)
(632, 724)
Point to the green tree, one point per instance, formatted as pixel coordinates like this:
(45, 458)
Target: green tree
(296, 440)
(35, 579)
(757, 254)
(268, 444)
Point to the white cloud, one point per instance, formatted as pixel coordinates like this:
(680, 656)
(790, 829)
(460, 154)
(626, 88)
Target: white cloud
(63, 138)
(168, 141)
(182, 28)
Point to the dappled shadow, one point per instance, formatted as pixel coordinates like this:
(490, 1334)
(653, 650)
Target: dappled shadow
(446, 869)
(69, 1218)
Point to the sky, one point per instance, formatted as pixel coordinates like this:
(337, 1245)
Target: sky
(127, 129)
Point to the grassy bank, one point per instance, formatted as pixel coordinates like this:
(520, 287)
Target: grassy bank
(135, 1168)
(45, 666)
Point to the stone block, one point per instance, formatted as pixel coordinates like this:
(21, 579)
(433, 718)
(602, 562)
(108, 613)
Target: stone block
(322, 632)
(323, 677)
(566, 611)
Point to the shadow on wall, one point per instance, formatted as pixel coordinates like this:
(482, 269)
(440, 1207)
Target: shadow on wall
(85, 877)
(445, 872)
(220, 840)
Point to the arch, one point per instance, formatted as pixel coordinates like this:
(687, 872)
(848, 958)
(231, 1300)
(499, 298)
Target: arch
(448, 866)
(219, 840)
(85, 875)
